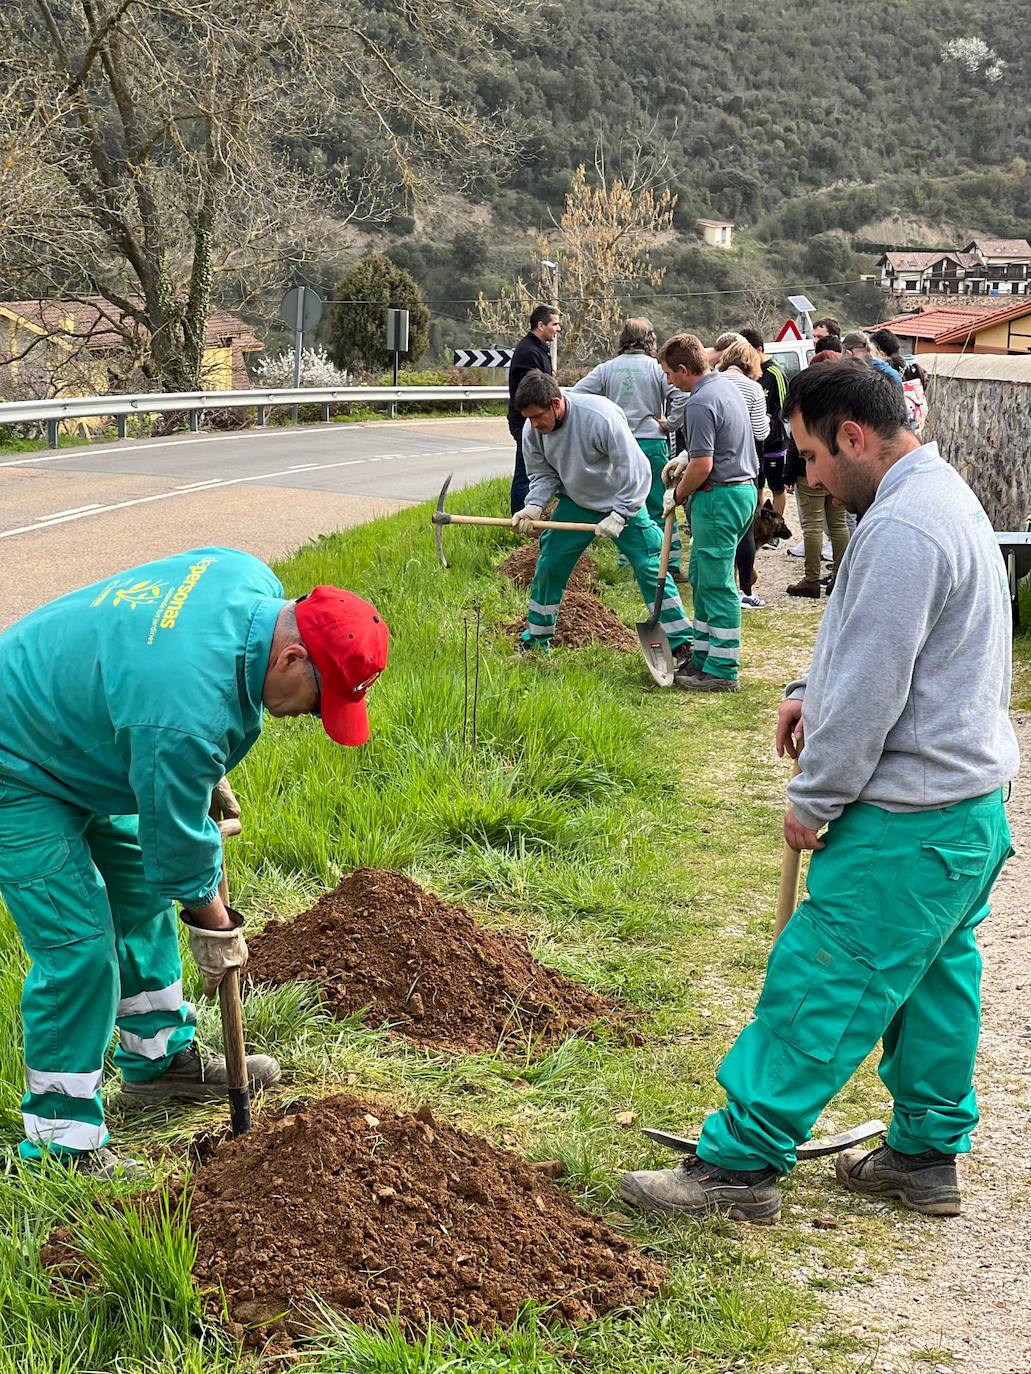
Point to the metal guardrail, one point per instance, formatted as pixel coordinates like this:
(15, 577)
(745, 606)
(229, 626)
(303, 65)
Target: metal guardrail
(195, 403)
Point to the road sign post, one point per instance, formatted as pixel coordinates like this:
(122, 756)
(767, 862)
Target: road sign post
(397, 342)
(301, 309)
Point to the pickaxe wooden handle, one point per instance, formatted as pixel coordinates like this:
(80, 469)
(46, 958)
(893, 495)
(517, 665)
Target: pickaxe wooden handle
(442, 517)
(790, 867)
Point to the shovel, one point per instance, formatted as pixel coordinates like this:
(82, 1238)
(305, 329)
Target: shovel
(654, 641)
(230, 1005)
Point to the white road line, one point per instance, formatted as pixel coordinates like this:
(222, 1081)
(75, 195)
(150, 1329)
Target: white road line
(74, 510)
(302, 467)
(49, 523)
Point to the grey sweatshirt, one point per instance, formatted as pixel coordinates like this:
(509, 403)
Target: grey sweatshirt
(637, 384)
(591, 456)
(906, 702)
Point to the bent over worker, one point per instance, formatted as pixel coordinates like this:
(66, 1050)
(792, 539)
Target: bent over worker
(580, 448)
(121, 707)
(718, 475)
(902, 731)
(636, 383)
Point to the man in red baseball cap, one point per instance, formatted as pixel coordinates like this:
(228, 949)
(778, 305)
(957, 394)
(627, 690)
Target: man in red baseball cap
(122, 707)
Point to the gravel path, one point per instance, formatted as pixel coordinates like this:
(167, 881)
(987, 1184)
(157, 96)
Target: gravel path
(963, 1288)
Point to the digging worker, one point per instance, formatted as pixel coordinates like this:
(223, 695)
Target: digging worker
(531, 354)
(121, 707)
(636, 383)
(902, 731)
(718, 473)
(580, 448)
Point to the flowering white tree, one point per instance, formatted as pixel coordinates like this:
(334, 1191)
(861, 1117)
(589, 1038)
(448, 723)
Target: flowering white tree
(974, 56)
(277, 370)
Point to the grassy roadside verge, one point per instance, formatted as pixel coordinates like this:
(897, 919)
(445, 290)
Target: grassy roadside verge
(635, 835)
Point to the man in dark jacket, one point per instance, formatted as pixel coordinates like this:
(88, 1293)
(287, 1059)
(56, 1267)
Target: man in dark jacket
(533, 351)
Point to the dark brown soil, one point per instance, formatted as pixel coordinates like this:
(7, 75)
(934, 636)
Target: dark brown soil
(582, 619)
(380, 941)
(375, 1212)
(519, 568)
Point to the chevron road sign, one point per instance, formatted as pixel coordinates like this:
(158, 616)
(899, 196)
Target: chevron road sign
(482, 357)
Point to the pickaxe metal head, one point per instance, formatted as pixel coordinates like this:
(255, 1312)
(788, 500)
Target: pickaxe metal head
(440, 517)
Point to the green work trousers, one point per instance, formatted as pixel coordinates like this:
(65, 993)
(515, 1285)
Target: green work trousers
(641, 542)
(657, 453)
(104, 949)
(719, 519)
(881, 949)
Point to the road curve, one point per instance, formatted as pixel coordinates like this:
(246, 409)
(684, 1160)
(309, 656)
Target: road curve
(74, 516)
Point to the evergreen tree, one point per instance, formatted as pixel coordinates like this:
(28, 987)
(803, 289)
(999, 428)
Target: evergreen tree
(357, 326)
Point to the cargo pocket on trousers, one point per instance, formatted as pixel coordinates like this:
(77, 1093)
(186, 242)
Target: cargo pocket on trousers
(47, 895)
(813, 988)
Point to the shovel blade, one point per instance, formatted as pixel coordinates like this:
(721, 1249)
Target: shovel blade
(657, 653)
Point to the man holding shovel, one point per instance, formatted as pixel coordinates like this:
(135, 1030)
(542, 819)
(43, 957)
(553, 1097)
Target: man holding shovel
(580, 448)
(718, 473)
(121, 707)
(902, 731)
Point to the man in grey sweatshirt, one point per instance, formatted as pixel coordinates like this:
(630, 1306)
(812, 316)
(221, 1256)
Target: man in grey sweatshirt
(637, 384)
(902, 732)
(580, 449)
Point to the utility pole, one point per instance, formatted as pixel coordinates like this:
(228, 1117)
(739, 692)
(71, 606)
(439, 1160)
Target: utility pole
(552, 267)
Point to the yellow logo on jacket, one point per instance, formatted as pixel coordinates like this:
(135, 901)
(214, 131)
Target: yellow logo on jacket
(139, 593)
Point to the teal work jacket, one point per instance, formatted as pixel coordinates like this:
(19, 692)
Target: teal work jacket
(135, 695)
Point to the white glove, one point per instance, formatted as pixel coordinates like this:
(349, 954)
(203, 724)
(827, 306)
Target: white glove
(215, 952)
(673, 471)
(669, 501)
(523, 519)
(612, 526)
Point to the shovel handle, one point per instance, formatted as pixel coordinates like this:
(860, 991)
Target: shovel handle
(444, 518)
(236, 1055)
(790, 868)
(660, 586)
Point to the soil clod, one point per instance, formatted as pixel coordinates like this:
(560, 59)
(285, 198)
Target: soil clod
(582, 620)
(404, 1217)
(422, 965)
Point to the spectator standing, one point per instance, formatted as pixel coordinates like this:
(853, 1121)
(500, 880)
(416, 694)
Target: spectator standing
(859, 346)
(825, 328)
(775, 445)
(531, 353)
(817, 508)
(739, 361)
(635, 382)
(718, 474)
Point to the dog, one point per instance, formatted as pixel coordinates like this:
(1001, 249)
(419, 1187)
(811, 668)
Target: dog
(768, 525)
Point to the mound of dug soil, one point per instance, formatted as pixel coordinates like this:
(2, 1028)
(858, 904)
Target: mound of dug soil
(376, 1211)
(519, 568)
(582, 619)
(380, 941)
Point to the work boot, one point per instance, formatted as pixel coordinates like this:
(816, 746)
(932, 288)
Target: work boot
(680, 578)
(683, 665)
(103, 1164)
(926, 1182)
(805, 588)
(533, 644)
(189, 1078)
(705, 682)
(695, 1188)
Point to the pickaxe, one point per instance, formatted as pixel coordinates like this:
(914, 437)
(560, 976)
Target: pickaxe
(442, 517)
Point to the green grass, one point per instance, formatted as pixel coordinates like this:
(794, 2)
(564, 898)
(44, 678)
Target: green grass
(634, 835)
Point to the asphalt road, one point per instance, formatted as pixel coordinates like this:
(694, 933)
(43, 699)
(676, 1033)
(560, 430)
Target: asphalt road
(72, 517)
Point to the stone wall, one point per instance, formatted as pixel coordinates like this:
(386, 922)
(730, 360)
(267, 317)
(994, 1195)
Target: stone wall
(979, 412)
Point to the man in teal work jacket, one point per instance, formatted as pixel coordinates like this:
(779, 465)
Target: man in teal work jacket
(122, 706)
(902, 731)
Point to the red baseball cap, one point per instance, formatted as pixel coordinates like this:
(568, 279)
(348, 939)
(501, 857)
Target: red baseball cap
(347, 640)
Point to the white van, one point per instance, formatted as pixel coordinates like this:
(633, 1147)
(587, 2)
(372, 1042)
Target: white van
(790, 355)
